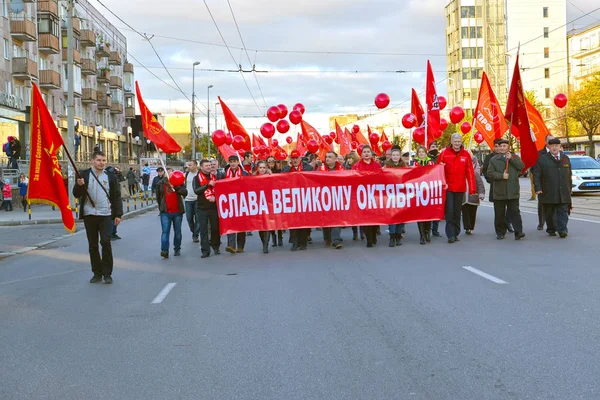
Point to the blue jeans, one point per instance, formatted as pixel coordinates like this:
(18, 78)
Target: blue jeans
(165, 220)
(113, 228)
(191, 208)
(396, 229)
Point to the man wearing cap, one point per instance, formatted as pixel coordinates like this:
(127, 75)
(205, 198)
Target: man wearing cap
(204, 187)
(532, 171)
(552, 180)
(298, 237)
(504, 170)
(160, 171)
(235, 241)
(484, 169)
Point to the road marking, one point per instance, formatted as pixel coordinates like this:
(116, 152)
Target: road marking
(535, 213)
(160, 297)
(484, 275)
(40, 277)
(24, 250)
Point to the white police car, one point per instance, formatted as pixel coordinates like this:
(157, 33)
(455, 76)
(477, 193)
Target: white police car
(585, 173)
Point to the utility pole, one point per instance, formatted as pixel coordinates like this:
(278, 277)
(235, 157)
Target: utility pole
(193, 127)
(70, 98)
(208, 117)
(216, 105)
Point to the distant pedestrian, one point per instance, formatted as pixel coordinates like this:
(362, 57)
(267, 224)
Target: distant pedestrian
(395, 161)
(7, 194)
(131, 181)
(23, 184)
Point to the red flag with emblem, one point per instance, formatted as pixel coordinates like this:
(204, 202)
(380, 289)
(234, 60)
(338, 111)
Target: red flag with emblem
(433, 106)
(300, 144)
(488, 118)
(537, 124)
(153, 130)
(234, 125)
(46, 183)
(343, 138)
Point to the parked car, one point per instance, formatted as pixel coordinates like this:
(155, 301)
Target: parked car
(585, 173)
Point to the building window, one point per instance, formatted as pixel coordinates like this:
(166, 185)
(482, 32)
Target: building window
(46, 25)
(546, 52)
(547, 73)
(546, 33)
(6, 50)
(8, 87)
(471, 32)
(545, 13)
(472, 73)
(467, 12)
(547, 90)
(471, 53)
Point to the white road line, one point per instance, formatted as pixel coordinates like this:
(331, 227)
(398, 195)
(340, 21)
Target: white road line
(535, 212)
(40, 277)
(163, 293)
(24, 250)
(484, 275)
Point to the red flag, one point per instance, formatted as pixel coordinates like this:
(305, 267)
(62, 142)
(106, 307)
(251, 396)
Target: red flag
(310, 132)
(46, 184)
(537, 124)
(433, 106)
(516, 112)
(226, 151)
(300, 144)
(383, 137)
(234, 126)
(343, 138)
(376, 148)
(417, 109)
(153, 130)
(488, 118)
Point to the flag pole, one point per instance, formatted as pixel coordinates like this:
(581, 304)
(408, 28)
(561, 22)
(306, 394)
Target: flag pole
(78, 174)
(161, 160)
(512, 115)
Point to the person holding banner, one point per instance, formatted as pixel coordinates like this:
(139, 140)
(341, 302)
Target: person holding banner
(433, 154)
(204, 187)
(367, 163)
(274, 167)
(395, 161)
(332, 236)
(262, 169)
(298, 237)
(458, 170)
(235, 241)
(423, 160)
(171, 208)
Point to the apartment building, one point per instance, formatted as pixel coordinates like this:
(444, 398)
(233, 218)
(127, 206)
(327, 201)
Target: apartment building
(584, 54)
(35, 51)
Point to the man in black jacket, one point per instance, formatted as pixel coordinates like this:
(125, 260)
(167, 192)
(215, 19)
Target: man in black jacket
(171, 208)
(235, 241)
(204, 187)
(98, 211)
(15, 150)
(532, 171)
(298, 237)
(490, 180)
(552, 180)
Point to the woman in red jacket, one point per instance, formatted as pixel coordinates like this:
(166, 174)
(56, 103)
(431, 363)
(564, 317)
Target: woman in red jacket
(367, 163)
(458, 170)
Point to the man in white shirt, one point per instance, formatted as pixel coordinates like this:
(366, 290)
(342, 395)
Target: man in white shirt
(191, 205)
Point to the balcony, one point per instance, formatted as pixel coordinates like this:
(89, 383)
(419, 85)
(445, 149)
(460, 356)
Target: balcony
(103, 76)
(49, 79)
(76, 56)
(114, 58)
(116, 82)
(88, 38)
(104, 101)
(130, 112)
(103, 50)
(90, 96)
(76, 26)
(23, 30)
(46, 7)
(116, 108)
(88, 67)
(48, 43)
(24, 68)
(128, 67)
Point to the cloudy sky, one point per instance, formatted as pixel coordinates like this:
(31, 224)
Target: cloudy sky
(332, 55)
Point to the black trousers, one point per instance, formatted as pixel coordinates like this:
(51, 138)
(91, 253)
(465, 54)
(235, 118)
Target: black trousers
(204, 217)
(236, 240)
(502, 208)
(541, 213)
(557, 217)
(453, 208)
(132, 189)
(370, 233)
(299, 237)
(469, 215)
(276, 235)
(424, 228)
(99, 226)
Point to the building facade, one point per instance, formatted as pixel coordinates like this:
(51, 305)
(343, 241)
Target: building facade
(584, 55)
(35, 51)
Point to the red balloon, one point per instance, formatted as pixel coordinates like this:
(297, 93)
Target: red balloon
(312, 146)
(295, 117)
(328, 139)
(238, 142)
(560, 100)
(281, 156)
(438, 134)
(283, 126)
(228, 139)
(359, 149)
(274, 114)
(267, 130)
(177, 178)
(382, 100)
(443, 124)
(219, 138)
(289, 139)
(465, 127)
(354, 145)
(374, 138)
(355, 129)
(442, 101)
(386, 145)
(283, 111)
(299, 107)
(274, 142)
(457, 114)
(409, 121)
(478, 137)
(333, 135)
(419, 135)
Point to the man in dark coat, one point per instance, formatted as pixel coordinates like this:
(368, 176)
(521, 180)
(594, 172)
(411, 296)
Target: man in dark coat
(532, 171)
(552, 180)
(507, 190)
(486, 164)
(298, 237)
(15, 150)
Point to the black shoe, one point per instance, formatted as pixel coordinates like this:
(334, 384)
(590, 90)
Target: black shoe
(468, 232)
(309, 241)
(302, 248)
(456, 239)
(230, 249)
(563, 234)
(519, 235)
(249, 234)
(370, 245)
(216, 250)
(96, 279)
(398, 240)
(500, 237)
(177, 253)
(294, 247)
(422, 240)
(116, 237)
(428, 237)
(436, 234)
(392, 240)
(355, 237)
(451, 240)
(338, 246)
(540, 227)
(265, 248)
(280, 242)
(164, 254)
(403, 230)
(195, 239)
(204, 255)
(108, 279)
(552, 233)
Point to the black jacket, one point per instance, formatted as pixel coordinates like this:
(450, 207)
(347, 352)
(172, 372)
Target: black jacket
(155, 181)
(161, 198)
(114, 193)
(15, 148)
(305, 167)
(553, 178)
(202, 201)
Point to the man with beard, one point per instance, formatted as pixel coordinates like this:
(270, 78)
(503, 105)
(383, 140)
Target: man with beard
(235, 241)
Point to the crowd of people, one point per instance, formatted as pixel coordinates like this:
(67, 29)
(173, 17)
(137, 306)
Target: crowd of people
(195, 198)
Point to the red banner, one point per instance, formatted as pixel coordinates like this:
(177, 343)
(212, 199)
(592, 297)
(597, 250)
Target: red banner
(341, 198)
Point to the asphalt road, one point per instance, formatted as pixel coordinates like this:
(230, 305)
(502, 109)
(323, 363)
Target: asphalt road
(383, 323)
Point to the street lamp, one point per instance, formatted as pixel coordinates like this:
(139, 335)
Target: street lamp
(208, 117)
(137, 145)
(194, 109)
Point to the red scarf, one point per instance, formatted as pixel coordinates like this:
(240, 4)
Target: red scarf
(324, 168)
(293, 169)
(171, 200)
(237, 173)
(209, 192)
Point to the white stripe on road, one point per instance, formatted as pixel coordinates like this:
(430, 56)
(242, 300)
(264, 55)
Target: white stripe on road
(39, 277)
(160, 297)
(484, 275)
(535, 212)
